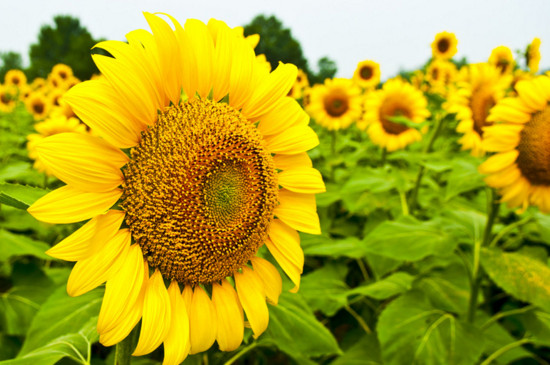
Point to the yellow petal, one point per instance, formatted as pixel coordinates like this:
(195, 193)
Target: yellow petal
(221, 66)
(203, 45)
(287, 241)
(286, 113)
(69, 205)
(122, 290)
(82, 161)
(157, 314)
(296, 139)
(176, 344)
(298, 211)
(498, 162)
(273, 284)
(284, 162)
(252, 296)
(229, 314)
(203, 325)
(527, 91)
(95, 270)
(302, 180)
(504, 177)
(288, 267)
(242, 71)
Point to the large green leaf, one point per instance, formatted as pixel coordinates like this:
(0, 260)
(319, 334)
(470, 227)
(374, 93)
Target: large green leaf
(411, 331)
(366, 351)
(395, 284)
(409, 239)
(325, 246)
(18, 245)
(294, 329)
(59, 316)
(523, 277)
(463, 177)
(324, 289)
(20, 196)
(447, 289)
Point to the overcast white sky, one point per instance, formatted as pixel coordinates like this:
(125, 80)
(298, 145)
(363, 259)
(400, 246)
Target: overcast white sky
(395, 33)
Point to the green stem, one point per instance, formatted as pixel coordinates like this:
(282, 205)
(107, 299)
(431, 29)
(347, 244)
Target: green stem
(427, 149)
(363, 268)
(504, 349)
(241, 353)
(123, 354)
(492, 213)
(404, 205)
(333, 152)
(359, 319)
(500, 315)
(384, 156)
(508, 229)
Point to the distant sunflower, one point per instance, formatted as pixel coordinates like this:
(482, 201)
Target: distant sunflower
(532, 55)
(440, 74)
(300, 84)
(335, 104)
(521, 137)
(50, 127)
(472, 101)
(367, 74)
(502, 58)
(38, 105)
(396, 99)
(444, 45)
(38, 83)
(62, 71)
(8, 96)
(212, 175)
(15, 78)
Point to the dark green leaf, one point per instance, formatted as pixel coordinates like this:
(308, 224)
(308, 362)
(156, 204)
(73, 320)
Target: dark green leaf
(324, 289)
(366, 351)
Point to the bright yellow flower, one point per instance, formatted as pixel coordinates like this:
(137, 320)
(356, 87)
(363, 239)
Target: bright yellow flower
(502, 58)
(440, 74)
(335, 104)
(367, 74)
(38, 105)
(8, 96)
(62, 71)
(207, 173)
(533, 55)
(15, 78)
(300, 84)
(396, 99)
(520, 137)
(444, 45)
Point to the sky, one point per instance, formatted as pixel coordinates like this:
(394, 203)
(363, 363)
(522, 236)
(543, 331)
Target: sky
(395, 33)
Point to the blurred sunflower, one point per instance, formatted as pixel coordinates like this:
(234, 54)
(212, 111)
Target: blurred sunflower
(8, 96)
(521, 137)
(367, 74)
(532, 55)
(38, 105)
(38, 83)
(62, 71)
(49, 127)
(444, 45)
(440, 74)
(335, 104)
(472, 101)
(15, 78)
(396, 99)
(199, 193)
(300, 84)
(502, 58)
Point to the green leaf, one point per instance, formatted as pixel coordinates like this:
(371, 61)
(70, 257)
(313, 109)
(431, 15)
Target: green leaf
(294, 329)
(523, 277)
(324, 246)
(61, 315)
(20, 196)
(366, 351)
(395, 284)
(369, 179)
(403, 120)
(324, 289)
(447, 289)
(411, 331)
(463, 177)
(409, 239)
(17, 245)
(538, 324)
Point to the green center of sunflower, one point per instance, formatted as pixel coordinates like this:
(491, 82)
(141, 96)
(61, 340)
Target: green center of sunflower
(393, 108)
(534, 149)
(481, 102)
(366, 72)
(199, 192)
(336, 104)
(443, 45)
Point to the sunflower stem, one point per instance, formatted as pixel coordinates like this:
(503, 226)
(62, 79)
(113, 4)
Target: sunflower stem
(492, 212)
(413, 199)
(359, 319)
(333, 152)
(384, 156)
(123, 354)
(241, 353)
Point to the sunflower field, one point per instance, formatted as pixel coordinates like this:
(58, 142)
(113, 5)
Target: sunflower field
(191, 204)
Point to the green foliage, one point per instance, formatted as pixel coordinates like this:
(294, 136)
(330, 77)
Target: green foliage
(9, 61)
(68, 42)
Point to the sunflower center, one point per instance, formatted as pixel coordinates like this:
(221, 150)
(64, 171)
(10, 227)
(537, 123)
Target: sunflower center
(366, 73)
(503, 65)
(435, 74)
(199, 192)
(4, 98)
(336, 104)
(443, 45)
(481, 102)
(534, 149)
(391, 108)
(38, 107)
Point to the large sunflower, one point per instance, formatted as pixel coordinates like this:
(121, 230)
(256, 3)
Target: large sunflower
(532, 55)
(335, 104)
(444, 45)
(521, 137)
(482, 87)
(396, 99)
(367, 74)
(502, 58)
(217, 168)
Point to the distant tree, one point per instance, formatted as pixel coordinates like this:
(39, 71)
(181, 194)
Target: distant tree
(9, 60)
(327, 70)
(66, 42)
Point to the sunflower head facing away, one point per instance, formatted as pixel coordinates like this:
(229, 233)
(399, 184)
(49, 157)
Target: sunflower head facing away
(444, 45)
(396, 99)
(367, 74)
(503, 59)
(217, 169)
(532, 55)
(335, 104)
(520, 168)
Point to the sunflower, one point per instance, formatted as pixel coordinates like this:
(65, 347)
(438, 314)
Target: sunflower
(367, 74)
(397, 98)
(502, 58)
(62, 71)
(38, 83)
(49, 127)
(38, 105)
(15, 78)
(474, 97)
(335, 104)
(217, 168)
(440, 74)
(444, 45)
(532, 55)
(300, 84)
(520, 169)
(8, 96)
